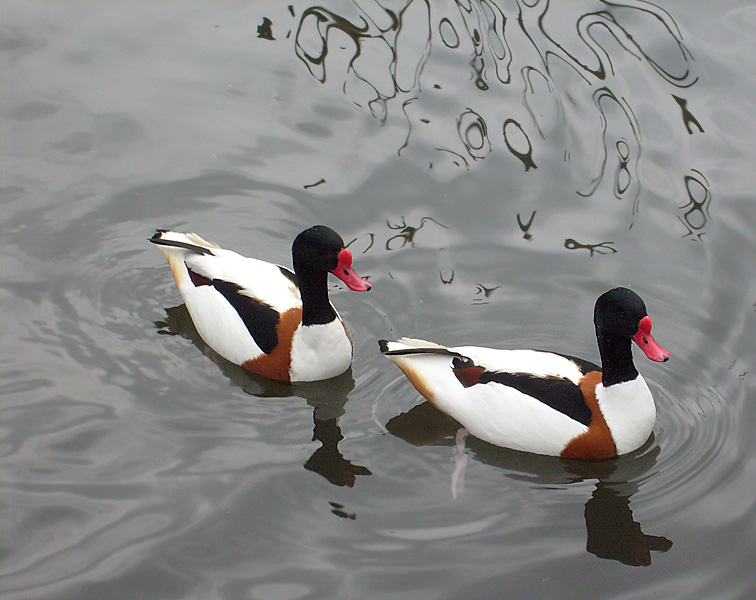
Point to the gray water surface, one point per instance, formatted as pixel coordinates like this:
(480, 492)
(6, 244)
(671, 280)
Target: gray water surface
(495, 166)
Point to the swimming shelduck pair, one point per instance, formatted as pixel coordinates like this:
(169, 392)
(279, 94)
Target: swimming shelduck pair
(272, 321)
(281, 325)
(542, 402)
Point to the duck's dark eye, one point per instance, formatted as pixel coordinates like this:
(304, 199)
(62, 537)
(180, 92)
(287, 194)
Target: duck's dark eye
(645, 340)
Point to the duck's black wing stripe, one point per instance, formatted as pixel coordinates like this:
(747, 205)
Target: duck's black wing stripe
(558, 393)
(198, 279)
(260, 319)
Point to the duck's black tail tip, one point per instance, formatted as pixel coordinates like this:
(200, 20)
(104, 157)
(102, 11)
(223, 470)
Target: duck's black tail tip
(156, 236)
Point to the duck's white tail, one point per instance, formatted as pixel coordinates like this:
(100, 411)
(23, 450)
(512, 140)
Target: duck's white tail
(176, 245)
(406, 344)
(426, 364)
(178, 242)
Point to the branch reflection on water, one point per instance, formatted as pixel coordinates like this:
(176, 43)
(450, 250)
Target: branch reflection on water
(327, 398)
(600, 248)
(577, 82)
(612, 532)
(696, 214)
(407, 233)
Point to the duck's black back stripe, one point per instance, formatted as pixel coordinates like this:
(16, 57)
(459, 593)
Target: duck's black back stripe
(558, 393)
(260, 319)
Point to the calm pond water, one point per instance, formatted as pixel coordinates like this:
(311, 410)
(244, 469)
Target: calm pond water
(496, 165)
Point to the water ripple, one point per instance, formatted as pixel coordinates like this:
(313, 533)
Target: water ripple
(600, 58)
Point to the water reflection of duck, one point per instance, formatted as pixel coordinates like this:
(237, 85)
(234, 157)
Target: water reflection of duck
(611, 530)
(327, 398)
(543, 402)
(264, 317)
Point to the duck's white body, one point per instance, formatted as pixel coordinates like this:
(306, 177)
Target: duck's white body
(505, 416)
(539, 402)
(250, 312)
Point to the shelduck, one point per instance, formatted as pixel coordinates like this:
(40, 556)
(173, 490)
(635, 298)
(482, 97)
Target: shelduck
(272, 321)
(543, 402)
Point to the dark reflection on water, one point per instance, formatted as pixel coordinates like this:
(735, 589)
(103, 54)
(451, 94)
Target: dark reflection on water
(612, 533)
(264, 30)
(405, 238)
(696, 212)
(688, 118)
(600, 248)
(525, 227)
(538, 77)
(483, 293)
(327, 398)
(407, 233)
(519, 143)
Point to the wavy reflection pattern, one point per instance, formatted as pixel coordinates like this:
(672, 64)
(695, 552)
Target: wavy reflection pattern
(695, 213)
(537, 85)
(388, 54)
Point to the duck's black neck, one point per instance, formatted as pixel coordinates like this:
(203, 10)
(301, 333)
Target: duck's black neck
(316, 306)
(616, 358)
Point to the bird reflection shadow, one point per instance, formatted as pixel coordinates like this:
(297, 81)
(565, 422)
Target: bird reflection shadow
(612, 533)
(327, 398)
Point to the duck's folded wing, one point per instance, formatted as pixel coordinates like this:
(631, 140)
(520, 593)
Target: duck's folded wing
(259, 292)
(273, 284)
(552, 379)
(559, 393)
(260, 319)
(216, 283)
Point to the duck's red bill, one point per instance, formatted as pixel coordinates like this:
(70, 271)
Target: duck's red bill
(647, 343)
(345, 272)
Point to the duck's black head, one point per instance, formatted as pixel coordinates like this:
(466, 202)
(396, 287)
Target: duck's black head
(320, 249)
(621, 313)
(317, 248)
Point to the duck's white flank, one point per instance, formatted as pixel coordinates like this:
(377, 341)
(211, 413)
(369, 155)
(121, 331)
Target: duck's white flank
(217, 322)
(529, 425)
